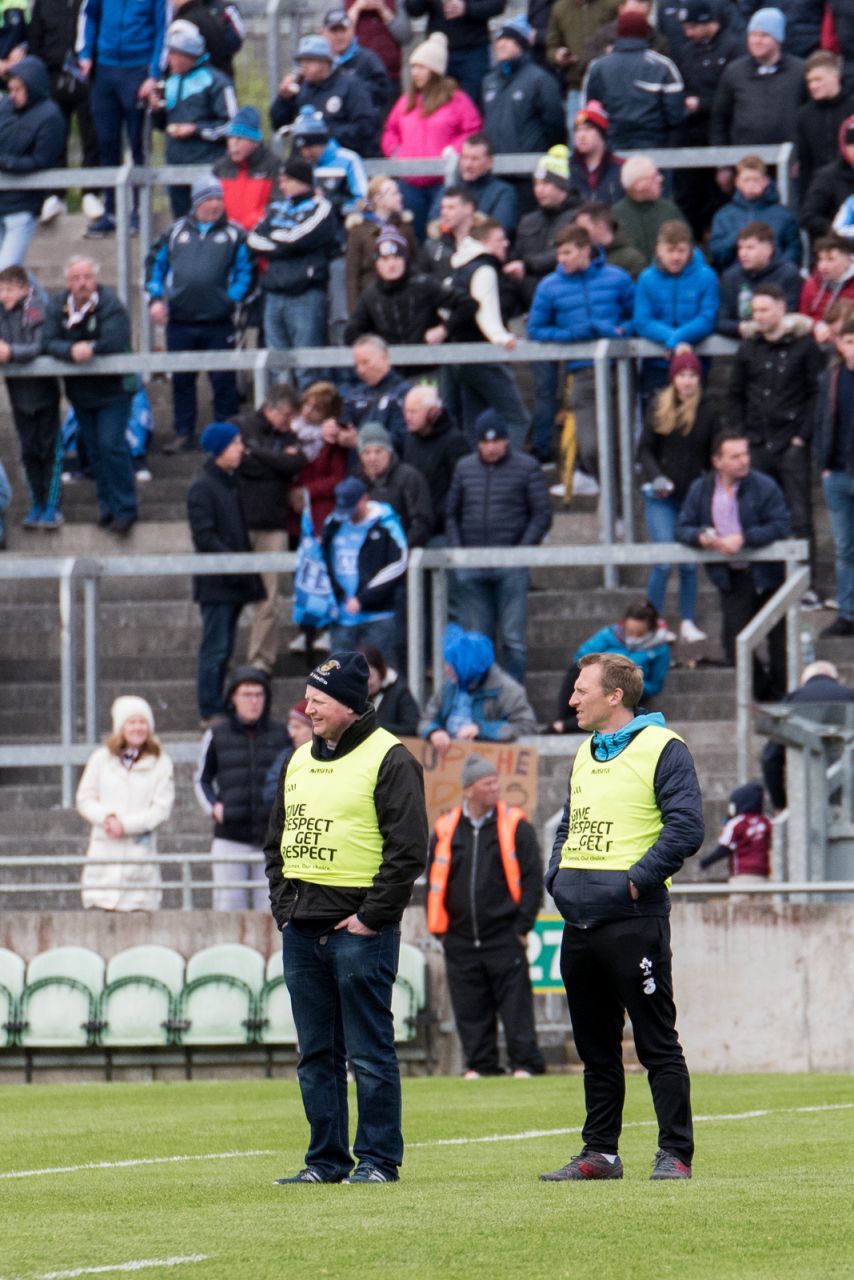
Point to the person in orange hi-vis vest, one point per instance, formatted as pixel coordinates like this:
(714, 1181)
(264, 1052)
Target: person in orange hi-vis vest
(485, 889)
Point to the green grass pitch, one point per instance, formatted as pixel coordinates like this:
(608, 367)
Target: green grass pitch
(771, 1196)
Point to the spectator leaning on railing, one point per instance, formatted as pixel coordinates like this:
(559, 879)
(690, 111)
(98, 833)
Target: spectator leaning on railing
(32, 137)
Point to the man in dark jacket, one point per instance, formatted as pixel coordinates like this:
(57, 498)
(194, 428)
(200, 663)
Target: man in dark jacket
(358, 61)
(594, 171)
(731, 508)
(494, 197)
(820, 684)
(522, 109)
(466, 27)
(632, 816)
(387, 479)
(85, 322)
(346, 841)
(498, 498)
(484, 878)
(235, 755)
(820, 119)
(534, 253)
(401, 305)
(759, 95)
(378, 395)
(218, 525)
(641, 90)
(434, 445)
(756, 199)
(757, 263)
(340, 97)
(772, 400)
(454, 221)
(35, 401)
(831, 186)
(298, 237)
(197, 274)
(32, 137)
(271, 463)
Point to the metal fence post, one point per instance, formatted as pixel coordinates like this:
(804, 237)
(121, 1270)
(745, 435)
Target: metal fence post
(261, 377)
(794, 657)
(68, 672)
(186, 886)
(415, 615)
(439, 601)
(123, 252)
(605, 443)
(273, 63)
(146, 235)
(91, 595)
(625, 429)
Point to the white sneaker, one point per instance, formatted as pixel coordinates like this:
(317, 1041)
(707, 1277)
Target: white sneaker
(471, 1075)
(52, 208)
(298, 644)
(93, 207)
(143, 475)
(557, 490)
(690, 632)
(584, 485)
(521, 1074)
(322, 643)
(665, 636)
(831, 603)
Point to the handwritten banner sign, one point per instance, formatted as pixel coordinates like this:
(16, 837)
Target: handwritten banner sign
(517, 773)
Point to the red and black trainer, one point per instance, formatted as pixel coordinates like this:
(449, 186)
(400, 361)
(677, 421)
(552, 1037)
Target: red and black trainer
(584, 1167)
(666, 1167)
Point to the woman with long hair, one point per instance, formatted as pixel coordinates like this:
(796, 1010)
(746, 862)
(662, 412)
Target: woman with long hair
(433, 114)
(383, 208)
(127, 791)
(672, 452)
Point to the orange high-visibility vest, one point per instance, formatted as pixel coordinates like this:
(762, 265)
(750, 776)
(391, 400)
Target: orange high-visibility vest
(508, 818)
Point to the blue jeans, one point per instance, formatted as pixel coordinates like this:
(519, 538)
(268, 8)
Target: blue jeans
(839, 495)
(382, 634)
(468, 67)
(296, 322)
(494, 602)
(661, 516)
(468, 389)
(102, 433)
(340, 986)
(546, 378)
(418, 200)
(114, 102)
(16, 232)
(201, 337)
(219, 624)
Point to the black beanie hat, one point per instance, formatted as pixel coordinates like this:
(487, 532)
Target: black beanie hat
(298, 169)
(344, 677)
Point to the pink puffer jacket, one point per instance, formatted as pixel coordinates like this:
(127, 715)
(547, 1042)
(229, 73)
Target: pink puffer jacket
(410, 135)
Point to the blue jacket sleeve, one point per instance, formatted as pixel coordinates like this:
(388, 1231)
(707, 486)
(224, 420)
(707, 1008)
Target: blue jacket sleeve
(655, 670)
(560, 837)
(677, 794)
(162, 10)
(769, 518)
(703, 323)
(646, 324)
(90, 20)
(158, 269)
(542, 316)
(242, 273)
(723, 237)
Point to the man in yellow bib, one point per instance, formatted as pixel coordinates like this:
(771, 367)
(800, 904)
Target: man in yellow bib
(632, 817)
(347, 839)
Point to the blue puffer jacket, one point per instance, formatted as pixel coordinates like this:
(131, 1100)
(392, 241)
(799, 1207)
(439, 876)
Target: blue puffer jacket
(30, 139)
(677, 308)
(124, 33)
(579, 306)
(729, 220)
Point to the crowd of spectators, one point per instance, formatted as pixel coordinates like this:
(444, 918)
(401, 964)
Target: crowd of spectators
(307, 252)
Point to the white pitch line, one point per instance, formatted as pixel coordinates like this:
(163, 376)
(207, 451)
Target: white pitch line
(130, 1164)
(141, 1264)
(524, 1136)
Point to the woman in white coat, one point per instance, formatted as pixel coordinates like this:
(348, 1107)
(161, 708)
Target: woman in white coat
(126, 792)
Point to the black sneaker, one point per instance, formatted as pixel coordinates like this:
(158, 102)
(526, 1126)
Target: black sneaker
(370, 1173)
(667, 1167)
(839, 627)
(179, 444)
(810, 600)
(122, 527)
(585, 1167)
(306, 1175)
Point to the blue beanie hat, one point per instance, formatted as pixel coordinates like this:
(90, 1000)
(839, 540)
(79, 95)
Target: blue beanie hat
(344, 677)
(518, 29)
(218, 436)
(490, 425)
(245, 123)
(315, 47)
(309, 127)
(771, 21)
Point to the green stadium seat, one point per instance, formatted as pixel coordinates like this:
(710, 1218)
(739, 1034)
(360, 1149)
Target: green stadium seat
(409, 994)
(139, 1003)
(275, 1016)
(59, 1004)
(11, 985)
(219, 1000)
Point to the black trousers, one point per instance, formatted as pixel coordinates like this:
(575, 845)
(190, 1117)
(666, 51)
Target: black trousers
(41, 451)
(486, 983)
(621, 967)
(738, 606)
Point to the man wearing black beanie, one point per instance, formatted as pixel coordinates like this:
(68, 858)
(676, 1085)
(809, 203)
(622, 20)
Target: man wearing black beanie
(347, 839)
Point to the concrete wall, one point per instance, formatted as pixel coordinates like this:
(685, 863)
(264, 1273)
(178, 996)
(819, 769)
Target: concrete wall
(760, 987)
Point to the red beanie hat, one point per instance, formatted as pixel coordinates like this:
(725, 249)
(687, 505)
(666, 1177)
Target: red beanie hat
(632, 24)
(684, 360)
(593, 113)
(298, 712)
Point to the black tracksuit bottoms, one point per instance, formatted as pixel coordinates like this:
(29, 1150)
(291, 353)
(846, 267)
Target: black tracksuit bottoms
(617, 968)
(487, 982)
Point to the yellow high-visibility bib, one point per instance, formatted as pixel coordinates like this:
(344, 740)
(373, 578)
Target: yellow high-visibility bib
(613, 817)
(331, 835)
